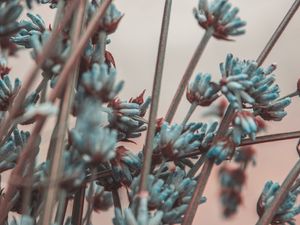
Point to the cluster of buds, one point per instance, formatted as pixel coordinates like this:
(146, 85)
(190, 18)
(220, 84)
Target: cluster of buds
(10, 150)
(127, 116)
(171, 196)
(110, 20)
(202, 91)
(9, 13)
(144, 217)
(101, 200)
(125, 165)
(244, 82)
(8, 92)
(35, 35)
(221, 17)
(93, 141)
(232, 181)
(221, 150)
(243, 124)
(287, 211)
(100, 82)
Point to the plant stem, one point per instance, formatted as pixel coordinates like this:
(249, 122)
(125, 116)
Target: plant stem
(62, 207)
(90, 199)
(78, 205)
(155, 96)
(271, 138)
(56, 168)
(276, 35)
(192, 172)
(189, 114)
(116, 199)
(188, 73)
(281, 194)
(206, 170)
(90, 30)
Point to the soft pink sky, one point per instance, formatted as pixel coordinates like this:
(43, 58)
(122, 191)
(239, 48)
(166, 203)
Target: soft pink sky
(134, 47)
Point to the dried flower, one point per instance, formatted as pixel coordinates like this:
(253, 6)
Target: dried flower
(125, 165)
(100, 82)
(243, 124)
(126, 117)
(10, 150)
(232, 181)
(219, 15)
(273, 110)
(8, 92)
(287, 210)
(102, 200)
(173, 141)
(221, 151)
(9, 13)
(202, 91)
(171, 196)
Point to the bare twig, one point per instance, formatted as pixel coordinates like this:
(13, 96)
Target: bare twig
(155, 96)
(187, 74)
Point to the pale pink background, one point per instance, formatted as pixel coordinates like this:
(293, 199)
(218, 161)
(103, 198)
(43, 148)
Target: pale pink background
(134, 47)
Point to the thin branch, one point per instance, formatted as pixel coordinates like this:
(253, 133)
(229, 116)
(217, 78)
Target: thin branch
(280, 195)
(206, 170)
(155, 96)
(188, 73)
(189, 114)
(276, 35)
(78, 205)
(56, 168)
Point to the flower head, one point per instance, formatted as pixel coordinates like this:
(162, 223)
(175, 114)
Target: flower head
(9, 13)
(100, 82)
(232, 181)
(8, 92)
(10, 150)
(127, 117)
(125, 165)
(219, 15)
(288, 208)
(221, 151)
(171, 196)
(110, 20)
(243, 124)
(101, 199)
(202, 91)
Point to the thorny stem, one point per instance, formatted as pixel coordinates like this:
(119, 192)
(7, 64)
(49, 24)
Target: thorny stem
(276, 35)
(281, 194)
(208, 166)
(26, 153)
(57, 162)
(187, 74)
(189, 114)
(155, 97)
(31, 76)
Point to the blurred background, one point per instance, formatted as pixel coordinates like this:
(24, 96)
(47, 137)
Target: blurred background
(134, 47)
